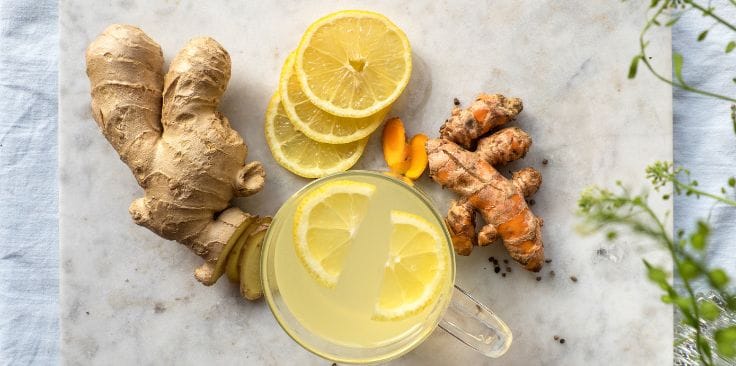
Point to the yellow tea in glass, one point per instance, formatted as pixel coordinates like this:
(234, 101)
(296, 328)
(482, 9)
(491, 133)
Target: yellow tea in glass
(358, 267)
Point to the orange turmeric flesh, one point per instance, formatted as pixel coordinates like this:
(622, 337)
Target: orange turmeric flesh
(395, 149)
(407, 159)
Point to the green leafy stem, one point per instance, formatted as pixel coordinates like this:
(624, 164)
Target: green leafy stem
(666, 13)
(605, 210)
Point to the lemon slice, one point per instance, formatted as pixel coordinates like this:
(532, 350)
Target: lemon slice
(316, 123)
(353, 63)
(414, 271)
(325, 223)
(302, 155)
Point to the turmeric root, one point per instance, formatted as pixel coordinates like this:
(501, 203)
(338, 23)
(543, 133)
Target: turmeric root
(402, 158)
(484, 114)
(500, 201)
(180, 148)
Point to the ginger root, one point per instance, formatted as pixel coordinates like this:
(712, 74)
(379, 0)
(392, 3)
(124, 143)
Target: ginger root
(407, 159)
(471, 174)
(180, 148)
(251, 286)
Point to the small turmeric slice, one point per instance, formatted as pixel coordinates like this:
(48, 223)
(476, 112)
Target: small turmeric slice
(417, 156)
(395, 149)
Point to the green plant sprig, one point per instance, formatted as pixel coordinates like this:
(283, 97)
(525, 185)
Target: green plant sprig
(666, 8)
(602, 209)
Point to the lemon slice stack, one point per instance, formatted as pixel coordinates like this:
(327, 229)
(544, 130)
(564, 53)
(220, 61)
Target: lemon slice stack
(335, 90)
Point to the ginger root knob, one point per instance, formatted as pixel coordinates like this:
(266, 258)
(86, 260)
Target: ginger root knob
(180, 148)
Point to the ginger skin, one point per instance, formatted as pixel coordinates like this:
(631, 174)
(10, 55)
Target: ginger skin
(180, 148)
(500, 201)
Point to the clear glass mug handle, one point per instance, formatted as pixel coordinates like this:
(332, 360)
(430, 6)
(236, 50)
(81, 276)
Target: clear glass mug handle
(475, 325)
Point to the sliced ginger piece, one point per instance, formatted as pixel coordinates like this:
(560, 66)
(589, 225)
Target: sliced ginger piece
(251, 286)
(219, 266)
(231, 267)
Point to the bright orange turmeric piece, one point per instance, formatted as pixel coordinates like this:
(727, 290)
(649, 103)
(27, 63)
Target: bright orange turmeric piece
(471, 174)
(417, 156)
(407, 159)
(395, 149)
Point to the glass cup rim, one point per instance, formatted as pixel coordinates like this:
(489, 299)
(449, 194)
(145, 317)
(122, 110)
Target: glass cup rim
(275, 312)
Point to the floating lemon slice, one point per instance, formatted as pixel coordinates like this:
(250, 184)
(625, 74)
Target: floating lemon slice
(316, 123)
(325, 223)
(415, 269)
(302, 155)
(353, 63)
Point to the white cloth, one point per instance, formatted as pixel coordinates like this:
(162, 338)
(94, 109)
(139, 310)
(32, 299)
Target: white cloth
(704, 142)
(29, 260)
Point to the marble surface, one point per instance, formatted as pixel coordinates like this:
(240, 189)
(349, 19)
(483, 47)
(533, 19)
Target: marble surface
(129, 297)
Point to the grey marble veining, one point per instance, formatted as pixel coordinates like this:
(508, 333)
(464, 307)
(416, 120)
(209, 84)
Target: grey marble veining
(129, 297)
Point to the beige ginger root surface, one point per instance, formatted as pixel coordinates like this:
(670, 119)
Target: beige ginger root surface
(472, 175)
(180, 148)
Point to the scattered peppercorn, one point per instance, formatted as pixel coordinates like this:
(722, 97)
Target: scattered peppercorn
(557, 338)
(539, 278)
(532, 202)
(547, 261)
(562, 340)
(574, 279)
(503, 275)
(506, 261)
(551, 273)
(491, 259)
(456, 101)
(497, 269)
(545, 162)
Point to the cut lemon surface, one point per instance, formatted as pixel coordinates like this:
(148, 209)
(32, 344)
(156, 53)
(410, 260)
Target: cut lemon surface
(415, 269)
(325, 223)
(316, 123)
(353, 63)
(302, 155)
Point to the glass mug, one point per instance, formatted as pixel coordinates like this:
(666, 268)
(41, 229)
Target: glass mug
(292, 301)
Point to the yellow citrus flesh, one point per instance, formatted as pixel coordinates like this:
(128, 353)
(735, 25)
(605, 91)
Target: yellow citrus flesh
(302, 155)
(414, 271)
(325, 223)
(316, 123)
(353, 63)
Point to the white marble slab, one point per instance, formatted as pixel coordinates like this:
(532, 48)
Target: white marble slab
(129, 297)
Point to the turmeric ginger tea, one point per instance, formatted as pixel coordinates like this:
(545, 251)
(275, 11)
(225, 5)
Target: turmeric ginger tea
(359, 260)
